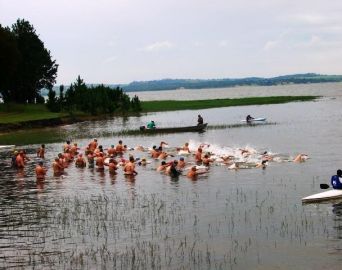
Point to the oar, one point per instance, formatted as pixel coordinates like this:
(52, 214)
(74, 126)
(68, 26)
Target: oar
(324, 186)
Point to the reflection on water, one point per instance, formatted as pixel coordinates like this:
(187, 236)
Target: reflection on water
(227, 220)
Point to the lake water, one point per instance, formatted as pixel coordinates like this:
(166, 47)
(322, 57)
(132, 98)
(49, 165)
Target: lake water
(249, 218)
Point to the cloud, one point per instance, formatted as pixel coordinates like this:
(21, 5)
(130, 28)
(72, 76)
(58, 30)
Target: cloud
(110, 59)
(271, 44)
(223, 43)
(310, 19)
(157, 46)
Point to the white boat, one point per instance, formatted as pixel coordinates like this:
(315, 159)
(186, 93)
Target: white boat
(324, 196)
(260, 119)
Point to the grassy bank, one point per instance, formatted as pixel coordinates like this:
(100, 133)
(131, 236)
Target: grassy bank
(31, 114)
(174, 105)
(16, 113)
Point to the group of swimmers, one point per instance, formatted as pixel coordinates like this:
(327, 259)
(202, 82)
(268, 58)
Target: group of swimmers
(189, 163)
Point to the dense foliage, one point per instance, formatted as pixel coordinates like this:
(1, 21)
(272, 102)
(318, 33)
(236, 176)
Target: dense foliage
(95, 100)
(26, 65)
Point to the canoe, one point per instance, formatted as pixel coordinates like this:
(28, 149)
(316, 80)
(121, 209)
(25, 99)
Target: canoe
(197, 128)
(324, 196)
(260, 119)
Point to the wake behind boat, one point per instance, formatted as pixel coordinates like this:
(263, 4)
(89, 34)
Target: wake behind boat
(197, 128)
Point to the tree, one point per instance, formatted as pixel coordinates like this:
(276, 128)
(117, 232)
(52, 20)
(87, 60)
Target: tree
(9, 61)
(136, 104)
(61, 96)
(34, 68)
(52, 102)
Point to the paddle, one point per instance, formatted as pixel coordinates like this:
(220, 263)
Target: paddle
(324, 186)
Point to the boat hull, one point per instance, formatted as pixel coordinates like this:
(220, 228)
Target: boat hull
(261, 119)
(324, 196)
(197, 128)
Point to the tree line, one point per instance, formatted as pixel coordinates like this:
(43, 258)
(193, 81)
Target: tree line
(93, 100)
(26, 67)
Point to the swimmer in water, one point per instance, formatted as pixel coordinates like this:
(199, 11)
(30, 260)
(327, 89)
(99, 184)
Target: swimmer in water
(193, 172)
(300, 158)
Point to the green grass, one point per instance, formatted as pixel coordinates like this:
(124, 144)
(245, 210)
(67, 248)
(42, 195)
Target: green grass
(174, 105)
(19, 113)
(16, 113)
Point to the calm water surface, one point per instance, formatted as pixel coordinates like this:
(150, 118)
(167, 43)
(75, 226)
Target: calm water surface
(225, 220)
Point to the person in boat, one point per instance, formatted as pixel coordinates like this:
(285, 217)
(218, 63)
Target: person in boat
(40, 171)
(41, 151)
(199, 120)
(249, 118)
(336, 180)
(151, 125)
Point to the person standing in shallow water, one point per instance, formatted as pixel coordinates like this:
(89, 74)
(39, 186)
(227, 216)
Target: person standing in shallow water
(40, 171)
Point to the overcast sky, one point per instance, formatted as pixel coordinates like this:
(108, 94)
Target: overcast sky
(119, 41)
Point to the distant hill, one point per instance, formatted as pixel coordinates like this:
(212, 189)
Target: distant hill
(172, 84)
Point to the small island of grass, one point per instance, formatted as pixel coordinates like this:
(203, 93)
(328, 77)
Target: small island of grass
(174, 105)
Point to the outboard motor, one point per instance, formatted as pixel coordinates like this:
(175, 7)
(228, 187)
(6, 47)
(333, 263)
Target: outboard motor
(142, 128)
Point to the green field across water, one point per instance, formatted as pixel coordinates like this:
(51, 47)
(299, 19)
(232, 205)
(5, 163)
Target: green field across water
(174, 105)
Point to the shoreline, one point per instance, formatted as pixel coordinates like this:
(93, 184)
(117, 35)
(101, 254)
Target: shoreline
(152, 106)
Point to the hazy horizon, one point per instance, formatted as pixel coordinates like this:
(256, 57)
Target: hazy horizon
(120, 41)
